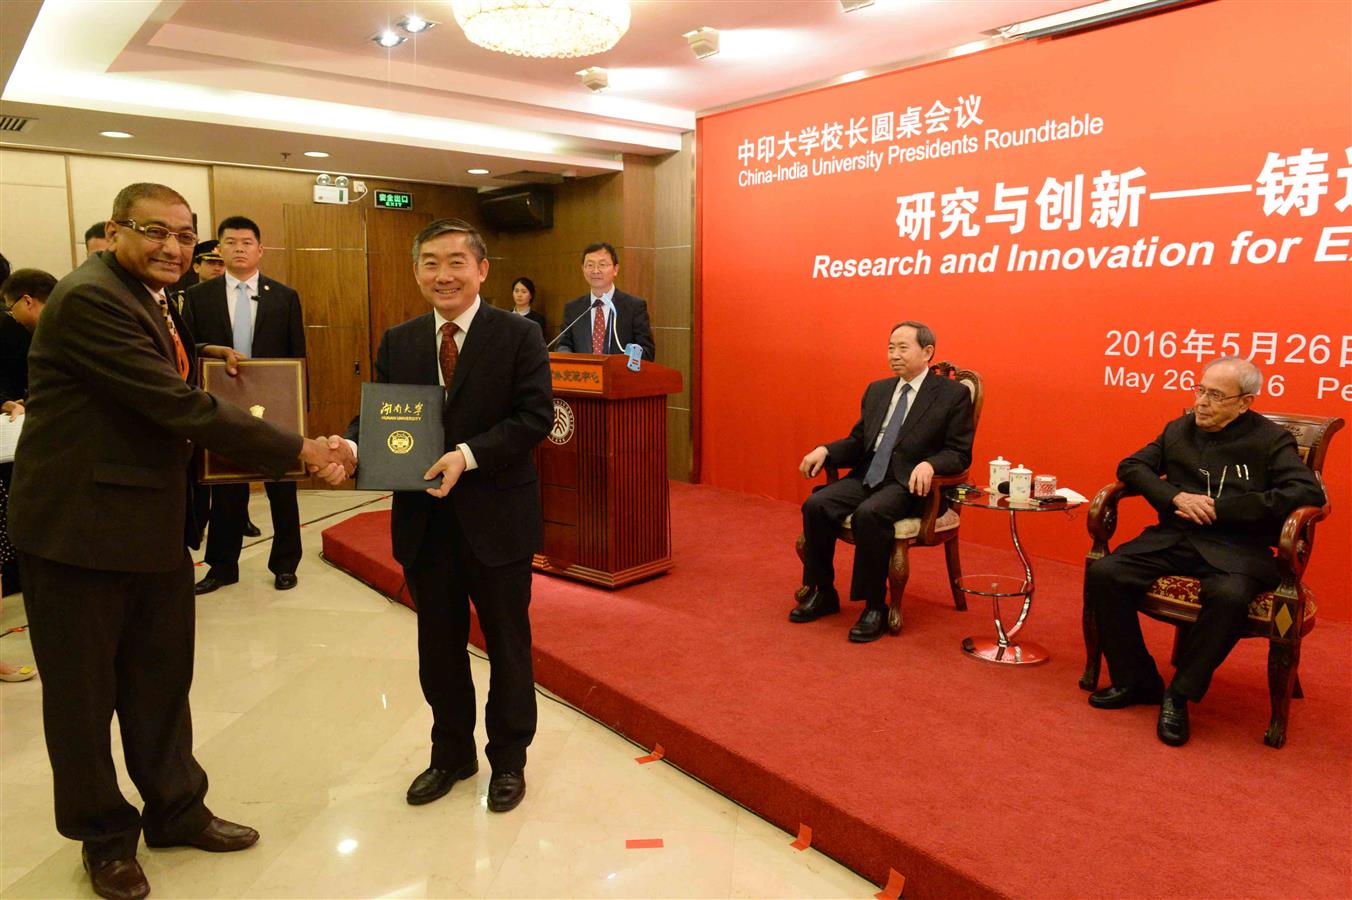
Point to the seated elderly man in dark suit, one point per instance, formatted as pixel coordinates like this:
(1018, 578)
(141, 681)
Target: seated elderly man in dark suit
(1223, 479)
(911, 427)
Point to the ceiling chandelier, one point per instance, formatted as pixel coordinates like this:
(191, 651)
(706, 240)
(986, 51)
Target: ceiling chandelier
(543, 28)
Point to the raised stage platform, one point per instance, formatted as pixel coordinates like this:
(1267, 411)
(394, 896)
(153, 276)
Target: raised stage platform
(966, 777)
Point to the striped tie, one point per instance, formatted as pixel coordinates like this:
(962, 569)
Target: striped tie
(180, 355)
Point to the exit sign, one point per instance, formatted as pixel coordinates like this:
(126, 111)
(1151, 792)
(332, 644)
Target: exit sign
(394, 200)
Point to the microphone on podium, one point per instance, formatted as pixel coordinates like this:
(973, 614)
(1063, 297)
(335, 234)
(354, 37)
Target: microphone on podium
(595, 304)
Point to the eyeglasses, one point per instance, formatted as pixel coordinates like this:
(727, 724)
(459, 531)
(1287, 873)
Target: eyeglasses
(158, 234)
(596, 267)
(1213, 395)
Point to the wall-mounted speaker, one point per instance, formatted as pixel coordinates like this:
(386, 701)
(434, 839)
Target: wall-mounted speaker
(518, 209)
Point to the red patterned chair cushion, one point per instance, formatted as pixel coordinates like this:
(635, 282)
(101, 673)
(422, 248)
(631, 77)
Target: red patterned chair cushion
(1182, 591)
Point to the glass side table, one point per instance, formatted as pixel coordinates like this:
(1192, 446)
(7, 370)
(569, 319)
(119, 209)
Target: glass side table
(1003, 649)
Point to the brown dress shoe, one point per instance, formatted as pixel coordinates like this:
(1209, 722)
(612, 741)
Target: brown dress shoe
(219, 836)
(117, 879)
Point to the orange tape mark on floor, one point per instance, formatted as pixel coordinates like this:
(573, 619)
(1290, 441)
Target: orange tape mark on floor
(657, 754)
(804, 837)
(643, 844)
(896, 883)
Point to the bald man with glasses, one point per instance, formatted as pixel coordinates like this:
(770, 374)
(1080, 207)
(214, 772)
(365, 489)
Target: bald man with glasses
(1223, 479)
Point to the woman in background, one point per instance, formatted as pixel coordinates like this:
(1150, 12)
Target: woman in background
(523, 295)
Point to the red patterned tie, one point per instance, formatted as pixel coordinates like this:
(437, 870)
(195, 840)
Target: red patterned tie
(599, 329)
(448, 353)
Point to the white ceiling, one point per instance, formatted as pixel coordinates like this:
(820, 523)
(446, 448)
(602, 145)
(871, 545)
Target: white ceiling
(257, 82)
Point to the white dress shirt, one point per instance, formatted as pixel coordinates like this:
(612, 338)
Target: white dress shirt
(232, 294)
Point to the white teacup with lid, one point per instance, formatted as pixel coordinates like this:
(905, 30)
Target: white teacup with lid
(999, 472)
(1020, 483)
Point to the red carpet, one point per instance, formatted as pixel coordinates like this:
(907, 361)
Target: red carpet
(967, 777)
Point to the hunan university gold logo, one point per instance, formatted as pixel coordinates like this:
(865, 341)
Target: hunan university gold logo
(399, 442)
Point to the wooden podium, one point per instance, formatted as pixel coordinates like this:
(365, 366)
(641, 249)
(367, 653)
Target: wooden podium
(603, 470)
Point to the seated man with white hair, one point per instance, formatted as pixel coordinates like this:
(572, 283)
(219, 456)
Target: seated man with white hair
(1223, 479)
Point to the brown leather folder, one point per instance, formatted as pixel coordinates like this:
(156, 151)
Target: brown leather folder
(272, 390)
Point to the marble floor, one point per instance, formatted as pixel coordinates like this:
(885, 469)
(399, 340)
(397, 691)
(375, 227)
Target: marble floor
(310, 722)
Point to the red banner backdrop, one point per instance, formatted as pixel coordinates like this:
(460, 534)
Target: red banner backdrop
(1084, 220)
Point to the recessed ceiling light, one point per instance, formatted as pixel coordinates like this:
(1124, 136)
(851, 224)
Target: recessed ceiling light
(115, 134)
(703, 41)
(594, 77)
(317, 154)
(415, 24)
(388, 39)
(477, 171)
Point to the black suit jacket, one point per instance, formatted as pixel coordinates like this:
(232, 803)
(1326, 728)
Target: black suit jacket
(14, 342)
(631, 326)
(278, 328)
(938, 429)
(101, 472)
(500, 404)
(1252, 504)
(537, 319)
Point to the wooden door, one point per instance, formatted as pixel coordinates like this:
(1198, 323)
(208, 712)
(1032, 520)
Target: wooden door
(326, 255)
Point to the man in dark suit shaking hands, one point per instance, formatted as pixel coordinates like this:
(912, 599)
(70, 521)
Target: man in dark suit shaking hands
(605, 319)
(100, 516)
(911, 427)
(259, 317)
(471, 538)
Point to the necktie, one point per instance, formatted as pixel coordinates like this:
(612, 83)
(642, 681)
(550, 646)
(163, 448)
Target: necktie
(882, 457)
(448, 354)
(180, 355)
(599, 329)
(243, 330)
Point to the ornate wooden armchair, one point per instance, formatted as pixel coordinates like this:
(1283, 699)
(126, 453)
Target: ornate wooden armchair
(1283, 616)
(932, 527)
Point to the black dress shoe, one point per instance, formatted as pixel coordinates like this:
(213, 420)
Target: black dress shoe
(506, 790)
(434, 783)
(117, 879)
(219, 836)
(1115, 697)
(1173, 724)
(285, 581)
(872, 622)
(251, 530)
(817, 603)
(212, 582)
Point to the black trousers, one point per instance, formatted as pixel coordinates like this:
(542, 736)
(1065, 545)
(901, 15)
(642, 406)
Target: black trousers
(443, 580)
(875, 512)
(229, 511)
(119, 642)
(1114, 584)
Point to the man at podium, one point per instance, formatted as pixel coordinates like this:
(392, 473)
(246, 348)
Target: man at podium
(605, 320)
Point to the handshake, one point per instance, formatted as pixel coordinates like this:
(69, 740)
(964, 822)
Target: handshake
(329, 458)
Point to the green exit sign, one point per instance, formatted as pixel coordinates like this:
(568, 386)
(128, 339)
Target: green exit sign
(394, 200)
